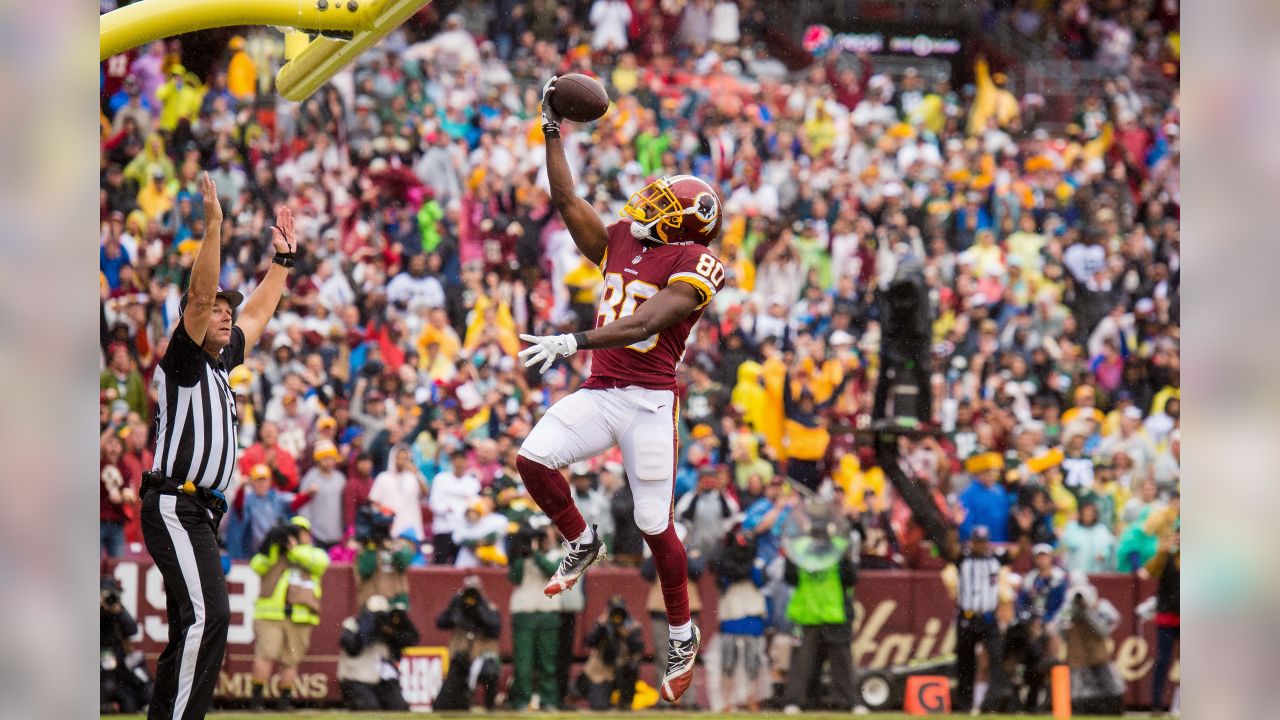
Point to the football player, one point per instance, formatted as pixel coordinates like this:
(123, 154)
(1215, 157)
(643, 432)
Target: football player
(659, 275)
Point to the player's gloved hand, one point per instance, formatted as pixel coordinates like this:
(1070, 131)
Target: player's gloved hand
(546, 349)
(550, 118)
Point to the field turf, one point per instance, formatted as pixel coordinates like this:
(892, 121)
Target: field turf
(583, 715)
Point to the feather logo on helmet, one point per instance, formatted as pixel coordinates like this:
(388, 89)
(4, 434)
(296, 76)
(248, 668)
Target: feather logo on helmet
(707, 209)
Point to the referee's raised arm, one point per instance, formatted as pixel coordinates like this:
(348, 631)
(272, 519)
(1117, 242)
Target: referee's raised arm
(261, 305)
(202, 289)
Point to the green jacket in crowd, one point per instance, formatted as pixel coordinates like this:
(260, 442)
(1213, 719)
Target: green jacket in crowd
(133, 391)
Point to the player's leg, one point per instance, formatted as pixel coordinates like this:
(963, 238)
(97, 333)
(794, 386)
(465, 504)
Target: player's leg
(578, 427)
(649, 454)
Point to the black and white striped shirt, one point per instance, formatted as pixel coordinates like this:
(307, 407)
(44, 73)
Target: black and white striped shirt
(979, 583)
(196, 424)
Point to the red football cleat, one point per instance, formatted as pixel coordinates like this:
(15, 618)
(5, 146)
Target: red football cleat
(680, 659)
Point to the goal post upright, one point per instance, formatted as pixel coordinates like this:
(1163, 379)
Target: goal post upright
(342, 28)
(314, 64)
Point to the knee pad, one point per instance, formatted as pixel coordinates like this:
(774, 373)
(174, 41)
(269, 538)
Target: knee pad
(536, 450)
(652, 517)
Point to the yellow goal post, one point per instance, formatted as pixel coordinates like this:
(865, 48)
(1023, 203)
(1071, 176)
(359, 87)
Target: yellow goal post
(342, 29)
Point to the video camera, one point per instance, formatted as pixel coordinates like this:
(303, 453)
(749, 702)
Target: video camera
(396, 630)
(279, 536)
(390, 626)
(618, 612)
(110, 590)
(737, 557)
(373, 527)
(527, 539)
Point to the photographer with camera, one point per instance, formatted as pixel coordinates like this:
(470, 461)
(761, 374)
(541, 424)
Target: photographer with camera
(288, 606)
(1084, 624)
(124, 684)
(1027, 642)
(535, 618)
(369, 667)
(615, 649)
(382, 562)
(473, 648)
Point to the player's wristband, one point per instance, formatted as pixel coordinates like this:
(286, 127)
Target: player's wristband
(284, 260)
(580, 338)
(551, 129)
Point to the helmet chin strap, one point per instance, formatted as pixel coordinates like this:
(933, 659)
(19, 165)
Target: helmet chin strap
(645, 232)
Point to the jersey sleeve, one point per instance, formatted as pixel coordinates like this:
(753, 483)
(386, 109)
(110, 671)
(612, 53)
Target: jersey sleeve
(702, 270)
(184, 359)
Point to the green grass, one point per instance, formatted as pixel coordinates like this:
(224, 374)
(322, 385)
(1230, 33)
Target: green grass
(652, 715)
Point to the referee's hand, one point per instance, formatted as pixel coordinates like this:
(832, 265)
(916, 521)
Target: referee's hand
(212, 207)
(283, 238)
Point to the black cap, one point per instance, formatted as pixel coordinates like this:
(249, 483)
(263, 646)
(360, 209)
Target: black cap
(234, 297)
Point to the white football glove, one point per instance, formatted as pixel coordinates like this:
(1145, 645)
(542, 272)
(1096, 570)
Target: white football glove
(545, 349)
(550, 118)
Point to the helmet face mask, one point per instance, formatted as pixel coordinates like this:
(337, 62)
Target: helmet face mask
(680, 208)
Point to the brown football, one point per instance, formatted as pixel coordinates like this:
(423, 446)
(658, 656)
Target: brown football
(579, 98)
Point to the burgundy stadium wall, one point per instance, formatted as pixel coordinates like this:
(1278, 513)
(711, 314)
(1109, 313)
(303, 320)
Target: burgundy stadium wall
(902, 616)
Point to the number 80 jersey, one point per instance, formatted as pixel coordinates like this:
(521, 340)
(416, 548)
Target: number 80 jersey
(635, 271)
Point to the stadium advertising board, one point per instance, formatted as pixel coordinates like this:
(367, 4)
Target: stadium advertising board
(820, 40)
(903, 616)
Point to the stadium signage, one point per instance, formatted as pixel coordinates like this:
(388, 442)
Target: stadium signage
(422, 671)
(901, 617)
(819, 40)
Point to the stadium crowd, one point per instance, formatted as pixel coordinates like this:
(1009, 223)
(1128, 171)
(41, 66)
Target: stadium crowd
(389, 374)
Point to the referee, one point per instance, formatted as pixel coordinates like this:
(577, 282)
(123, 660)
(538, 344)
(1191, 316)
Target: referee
(182, 500)
(977, 593)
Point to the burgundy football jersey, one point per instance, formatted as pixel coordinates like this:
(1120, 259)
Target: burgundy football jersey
(635, 271)
(114, 70)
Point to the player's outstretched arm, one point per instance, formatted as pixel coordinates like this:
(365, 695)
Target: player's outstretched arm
(668, 307)
(584, 224)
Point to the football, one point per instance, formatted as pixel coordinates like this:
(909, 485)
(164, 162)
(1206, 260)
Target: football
(579, 98)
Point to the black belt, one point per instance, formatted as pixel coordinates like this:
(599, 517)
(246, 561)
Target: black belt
(155, 481)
